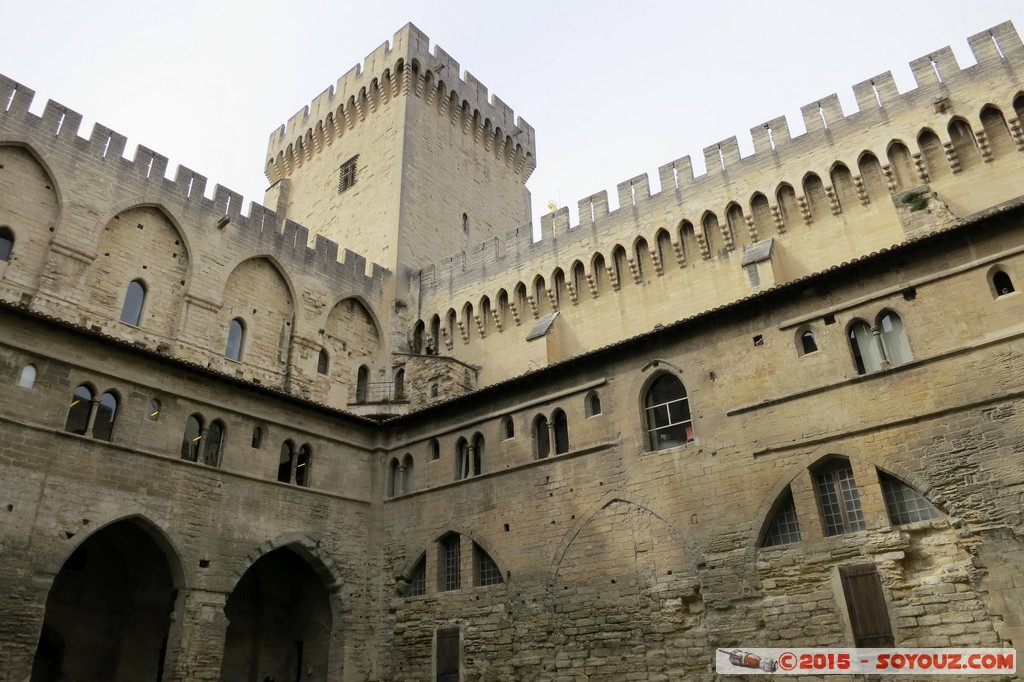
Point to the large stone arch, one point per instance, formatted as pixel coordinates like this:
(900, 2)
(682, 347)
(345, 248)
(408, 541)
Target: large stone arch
(30, 206)
(259, 294)
(625, 587)
(284, 613)
(114, 608)
(140, 242)
(353, 338)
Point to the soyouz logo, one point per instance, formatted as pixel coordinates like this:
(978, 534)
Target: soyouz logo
(762, 661)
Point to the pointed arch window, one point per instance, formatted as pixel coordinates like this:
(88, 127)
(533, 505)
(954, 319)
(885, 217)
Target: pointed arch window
(592, 404)
(80, 410)
(192, 439)
(394, 486)
(904, 504)
(418, 581)
(667, 413)
(257, 438)
(435, 448)
(27, 379)
(783, 528)
(400, 384)
(302, 464)
(485, 571)
(214, 443)
(866, 355)
(561, 432)
(6, 244)
(541, 437)
(323, 362)
(508, 427)
(362, 383)
(286, 462)
(106, 413)
(461, 459)
(153, 410)
(134, 298)
(478, 454)
(894, 339)
(408, 474)
(236, 339)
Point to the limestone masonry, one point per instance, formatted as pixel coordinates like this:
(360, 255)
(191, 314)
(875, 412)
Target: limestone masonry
(372, 431)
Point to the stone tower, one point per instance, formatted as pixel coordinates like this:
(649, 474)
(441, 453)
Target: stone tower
(404, 161)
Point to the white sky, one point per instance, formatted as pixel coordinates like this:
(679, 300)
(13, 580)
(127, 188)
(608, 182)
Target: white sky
(613, 89)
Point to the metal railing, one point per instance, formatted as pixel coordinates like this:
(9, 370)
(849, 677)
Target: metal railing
(378, 392)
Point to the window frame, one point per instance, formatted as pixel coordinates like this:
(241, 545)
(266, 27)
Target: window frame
(138, 308)
(651, 428)
(347, 174)
(239, 345)
(830, 478)
(25, 380)
(104, 430)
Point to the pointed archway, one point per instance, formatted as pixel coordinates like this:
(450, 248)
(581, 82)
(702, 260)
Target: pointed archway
(109, 610)
(279, 622)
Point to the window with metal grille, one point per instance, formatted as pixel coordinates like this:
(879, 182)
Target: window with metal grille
(487, 572)
(839, 500)
(450, 558)
(784, 528)
(447, 654)
(667, 412)
(904, 504)
(418, 582)
(347, 174)
(865, 603)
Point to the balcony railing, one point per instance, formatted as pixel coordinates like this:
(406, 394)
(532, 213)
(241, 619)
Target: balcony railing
(378, 392)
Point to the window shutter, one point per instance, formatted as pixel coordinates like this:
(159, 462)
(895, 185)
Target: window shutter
(448, 655)
(866, 606)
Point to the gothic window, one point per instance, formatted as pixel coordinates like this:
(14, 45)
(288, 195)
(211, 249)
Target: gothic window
(400, 384)
(561, 432)
(417, 337)
(153, 410)
(508, 427)
(461, 459)
(1001, 283)
(257, 438)
(286, 461)
(904, 504)
(134, 297)
(894, 339)
(418, 581)
(6, 244)
(839, 499)
(435, 449)
(302, 464)
(362, 383)
(80, 410)
(866, 354)
(323, 362)
(478, 454)
(236, 339)
(347, 174)
(806, 343)
(783, 528)
(394, 484)
(865, 603)
(592, 404)
(541, 438)
(214, 443)
(192, 439)
(408, 475)
(485, 570)
(450, 557)
(667, 413)
(106, 413)
(27, 379)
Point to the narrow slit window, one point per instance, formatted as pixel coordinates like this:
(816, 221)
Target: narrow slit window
(80, 410)
(134, 298)
(236, 339)
(193, 438)
(6, 244)
(106, 413)
(347, 174)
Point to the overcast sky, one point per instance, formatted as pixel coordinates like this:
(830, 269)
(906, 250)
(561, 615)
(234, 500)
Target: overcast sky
(613, 89)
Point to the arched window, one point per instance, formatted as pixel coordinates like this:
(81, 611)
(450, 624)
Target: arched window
(257, 438)
(6, 244)
(541, 438)
(894, 339)
(783, 528)
(28, 376)
(838, 498)
(362, 383)
(418, 580)
(904, 504)
(417, 337)
(478, 454)
(561, 432)
(236, 339)
(866, 355)
(1001, 283)
(435, 335)
(192, 439)
(80, 410)
(461, 459)
(323, 362)
(592, 404)
(106, 413)
(806, 341)
(213, 442)
(394, 483)
(508, 427)
(435, 449)
(302, 464)
(286, 462)
(153, 410)
(465, 223)
(134, 297)
(667, 413)
(409, 474)
(485, 571)
(400, 384)
(579, 278)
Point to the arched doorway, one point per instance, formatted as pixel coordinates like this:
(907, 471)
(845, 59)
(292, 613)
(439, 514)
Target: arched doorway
(279, 622)
(108, 613)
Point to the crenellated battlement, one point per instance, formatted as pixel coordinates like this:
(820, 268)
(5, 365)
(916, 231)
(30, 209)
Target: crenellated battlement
(58, 127)
(944, 91)
(405, 66)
